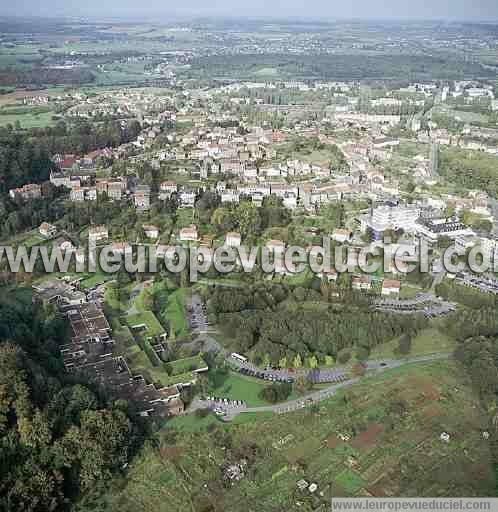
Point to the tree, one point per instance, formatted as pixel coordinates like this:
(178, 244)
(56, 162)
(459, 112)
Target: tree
(202, 413)
(276, 392)
(302, 384)
(298, 362)
(58, 438)
(344, 356)
(405, 344)
(248, 219)
(362, 353)
(223, 219)
(329, 360)
(312, 362)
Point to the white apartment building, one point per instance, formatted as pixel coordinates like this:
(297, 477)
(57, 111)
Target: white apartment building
(386, 217)
(232, 239)
(490, 248)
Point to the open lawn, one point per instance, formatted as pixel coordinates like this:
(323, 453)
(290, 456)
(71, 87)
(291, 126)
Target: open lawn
(188, 364)
(175, 313)
(27, 120)
(237, 387)
(428, 341)
(408, 292)
(94, 280)
(144, 324)
(393, 422)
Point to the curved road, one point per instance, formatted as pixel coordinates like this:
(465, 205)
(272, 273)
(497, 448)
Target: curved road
(209, 343)
(323, 394)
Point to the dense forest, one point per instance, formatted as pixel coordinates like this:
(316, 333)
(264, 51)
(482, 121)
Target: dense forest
(44, 76)
(22, 160)
(59, 437)
(338, 67)
(469, 169)
(287, 326)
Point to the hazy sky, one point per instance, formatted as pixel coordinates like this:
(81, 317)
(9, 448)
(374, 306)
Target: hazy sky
(451, 9)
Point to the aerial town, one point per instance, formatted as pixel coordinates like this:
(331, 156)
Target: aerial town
(150, 390)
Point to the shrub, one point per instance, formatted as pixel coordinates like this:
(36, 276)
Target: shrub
(344, 356)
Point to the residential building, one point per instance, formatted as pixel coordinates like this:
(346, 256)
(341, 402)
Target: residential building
(230, 196)
(387, 217)
(97, 233)
(187, 198)
(115, 190)
(189, 234)
(141, 197)
(361, 283)
(390, 287)
(77, 194)
(342, 235)
(151, 231)
(27, 192)
(166, 189)
(233, 239)
(47, 230)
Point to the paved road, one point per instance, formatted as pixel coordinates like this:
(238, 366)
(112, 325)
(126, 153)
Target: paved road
(323, 394)
(209, 344)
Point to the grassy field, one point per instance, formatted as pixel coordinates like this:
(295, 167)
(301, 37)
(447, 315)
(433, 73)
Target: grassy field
(239, 387)
(175, 313)
(147, 318)
(428, 341)
(187, 364)
(393, 421)
(28, 120)
(468, 117)
(94, 280)
(408, 292)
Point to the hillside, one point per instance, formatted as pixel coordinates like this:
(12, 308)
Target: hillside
(393, 422)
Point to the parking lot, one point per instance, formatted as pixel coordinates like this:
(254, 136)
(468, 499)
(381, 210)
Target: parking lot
(425, 304)
(247, 368)
(220, 406)
(197, 315)
(320, 376)
(317, 376)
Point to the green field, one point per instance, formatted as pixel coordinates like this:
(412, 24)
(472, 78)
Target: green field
(187, 364)
(94, 280)
(148, 319)
(239, 387)
(28, 120)
(175, 313)
(408, 292)
(428, 341)
(393, 421)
